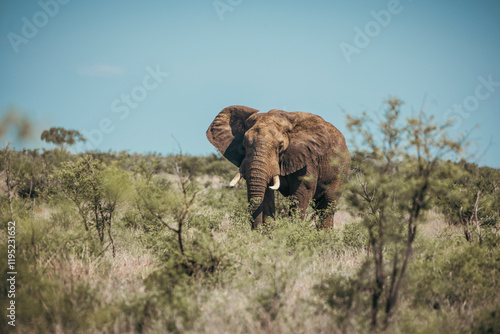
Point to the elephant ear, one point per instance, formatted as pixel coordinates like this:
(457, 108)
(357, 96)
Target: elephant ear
(309, 140)
(227, 131)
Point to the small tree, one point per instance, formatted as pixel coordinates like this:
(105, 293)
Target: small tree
(391, 189)
(61, 136)
(96, 190)
(168, 206)
(471, 198)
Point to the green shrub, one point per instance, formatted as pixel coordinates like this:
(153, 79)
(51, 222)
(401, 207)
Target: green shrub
(45, 302)
(69, 307)
(96, 190)
(220, 166)
(456, 274)
(487, 320)
(347, 300)
(461, 189)
(354, 235)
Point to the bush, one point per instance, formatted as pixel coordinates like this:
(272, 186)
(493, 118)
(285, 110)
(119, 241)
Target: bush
(354, 235)
(457, 274)
(96, 190)
(455, 284)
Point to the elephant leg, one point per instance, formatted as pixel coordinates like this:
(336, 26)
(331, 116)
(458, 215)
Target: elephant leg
(300, 187)
(302, 203)
(302, 198)
(325, 211)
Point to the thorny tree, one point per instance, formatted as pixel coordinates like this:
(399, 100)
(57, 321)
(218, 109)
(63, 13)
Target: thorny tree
(169, 207)
(391, 188)
(96, 190)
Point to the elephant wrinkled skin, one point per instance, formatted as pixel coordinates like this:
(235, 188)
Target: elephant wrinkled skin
(298, 153)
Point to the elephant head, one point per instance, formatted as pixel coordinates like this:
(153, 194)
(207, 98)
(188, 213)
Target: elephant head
(268, 145)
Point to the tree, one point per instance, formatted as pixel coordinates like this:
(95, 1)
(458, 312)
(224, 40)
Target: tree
(96, 190)
(391, 188)
(61, 136)
(162, 202)
(471, 198)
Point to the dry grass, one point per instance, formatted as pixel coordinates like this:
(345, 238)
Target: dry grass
(435, 225)
(342, 217)
(233, 309)
(269, 289)
(115, 277)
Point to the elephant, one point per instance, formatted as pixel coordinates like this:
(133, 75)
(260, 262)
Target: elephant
(297, 153)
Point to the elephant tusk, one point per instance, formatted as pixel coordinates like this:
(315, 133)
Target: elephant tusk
(235, 180)
(276, 183)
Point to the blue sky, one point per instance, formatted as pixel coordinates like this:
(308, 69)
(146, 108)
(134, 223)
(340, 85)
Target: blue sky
(143, 75)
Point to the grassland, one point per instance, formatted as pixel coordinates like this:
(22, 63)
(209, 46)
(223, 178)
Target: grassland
(287, 277)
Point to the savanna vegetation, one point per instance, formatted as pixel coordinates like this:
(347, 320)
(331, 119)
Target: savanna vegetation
(113, 242)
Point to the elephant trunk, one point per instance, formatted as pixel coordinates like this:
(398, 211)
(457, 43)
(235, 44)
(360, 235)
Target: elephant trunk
(257, 181)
